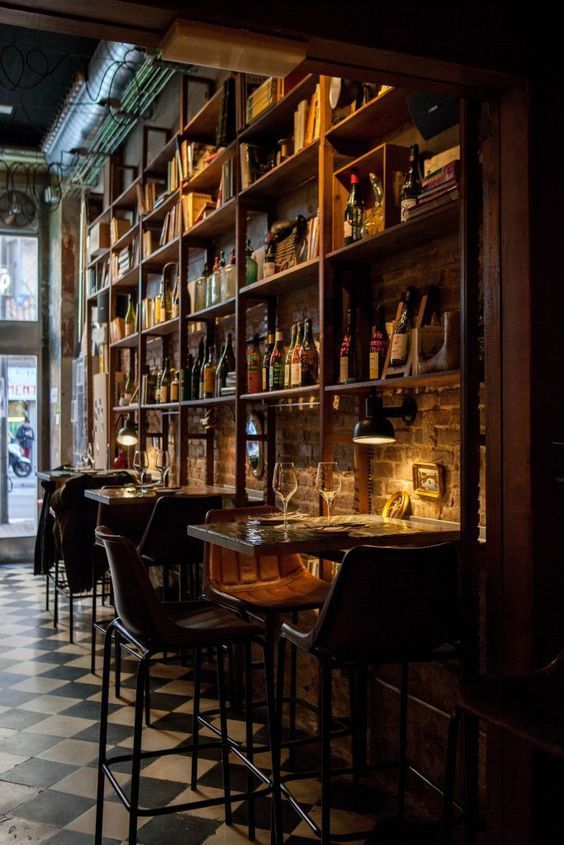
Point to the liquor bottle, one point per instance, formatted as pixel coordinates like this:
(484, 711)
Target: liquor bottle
(175, 301)
(276, 365)
(269, 346)
(229, 354)
(204, 361)
(354, 213)
(229, 280)
(174, 387)
(251, 265)
(222, 266)
(411, 188)
(130, 317)
(269, 267)
(152, 382)
(220, 372)
(196, 370)
(200, 289)
(186, 387)
(347, 353)
(378, 346)
(167, 299)
(254, 377)
(295, 370)
(214, 285)
(289, 355)
(400, 336)
(164, 383)
(309, 357)
(208, 373)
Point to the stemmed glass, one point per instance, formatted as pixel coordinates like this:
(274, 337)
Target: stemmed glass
(328, 482)
(140, 465)
(88, 457)
(285, 484)
(162, 464)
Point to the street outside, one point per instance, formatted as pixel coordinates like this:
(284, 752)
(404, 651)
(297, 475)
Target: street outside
(22, 506)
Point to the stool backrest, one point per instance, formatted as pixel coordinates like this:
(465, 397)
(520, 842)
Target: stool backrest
(223, 567)
(394, 602)
(136, 604)
(130, 522)
(165, 538)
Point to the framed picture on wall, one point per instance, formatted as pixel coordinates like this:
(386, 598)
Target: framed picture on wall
(428, 480)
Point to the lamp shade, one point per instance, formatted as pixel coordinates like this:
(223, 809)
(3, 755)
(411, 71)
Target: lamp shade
(209, 45)
(127, 435)
(375, 429)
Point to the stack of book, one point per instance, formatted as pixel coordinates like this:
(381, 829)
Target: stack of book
(195, 157)
(256, 160)
(226, 124)
(263, 97)
(150, 242)
(440, 184)
(196, 206)
(173, 176)
(125, 259)
(306, 121)
(312, 237)
(172, 225)
(119, 227)
(154, 194)
(227, 184)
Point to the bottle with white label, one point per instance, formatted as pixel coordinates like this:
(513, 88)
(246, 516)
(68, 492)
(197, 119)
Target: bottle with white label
(400, 336)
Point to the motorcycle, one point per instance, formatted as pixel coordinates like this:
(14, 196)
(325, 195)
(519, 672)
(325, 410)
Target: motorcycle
(20, 465)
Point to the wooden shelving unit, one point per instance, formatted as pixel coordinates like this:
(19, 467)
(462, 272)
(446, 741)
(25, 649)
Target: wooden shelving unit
(360, 141)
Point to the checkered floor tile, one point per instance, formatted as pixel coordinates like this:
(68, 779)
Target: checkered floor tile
(49, 704)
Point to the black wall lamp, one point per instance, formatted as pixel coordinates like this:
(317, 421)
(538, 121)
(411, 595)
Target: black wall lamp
(127, 435)
(376, 429)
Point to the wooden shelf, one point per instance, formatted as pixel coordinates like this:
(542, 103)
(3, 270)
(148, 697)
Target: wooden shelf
(278, 121)
(103, 256)
(93, 296)
(101, 218)
(125, 239)
(129, 279)
(219, 310)
(207, 180)
(202, 127)
(128, 197)
(159, 161)
(404, 236)
(161, 329)
(216, 223)
(216, 400)
(444, 379)
(369, 124)
(288, 280)
(165, 253)
(163, 207)
(125, 409)
(129, 342)
(288, 176)
(275, 395)
(162, 406)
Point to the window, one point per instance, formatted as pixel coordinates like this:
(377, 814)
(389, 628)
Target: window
(18, 277)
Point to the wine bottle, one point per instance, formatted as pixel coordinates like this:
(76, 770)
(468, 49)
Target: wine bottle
(309, 357)
(204, 360)
(289, 355)
(400, 336)
(229, 281)
(174, 387)
(220, 372)
(196, 370)
(251, 266)
(411, 188)
(166, 308)
(276, 365)
(208, 375)
(254, 376)
(229, 354)
(165, 383)
(354, 213)
(200, 289)
(348, 353)
(186, 392)
(222, 266)
(269, 346)
(175, 301)
(130, 316)
(269, 267)
(295, 370)
(378, 346)
(214, 286)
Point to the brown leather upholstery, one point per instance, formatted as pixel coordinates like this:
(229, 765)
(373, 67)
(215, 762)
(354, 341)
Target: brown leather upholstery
(530, 706)
(188, 624)
(387, 605)
(130, 522)
(165, 540)
(273, 583)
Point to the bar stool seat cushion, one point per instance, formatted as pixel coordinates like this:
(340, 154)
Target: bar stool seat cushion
(197, 623)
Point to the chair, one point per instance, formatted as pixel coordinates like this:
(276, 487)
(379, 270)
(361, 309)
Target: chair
(386, 605)
(165, 543)
(262, 587)
(529, 706)
(146, 627)
(73, 529)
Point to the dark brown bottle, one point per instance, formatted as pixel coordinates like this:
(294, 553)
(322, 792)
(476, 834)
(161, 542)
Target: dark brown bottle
(411, 188)
(196, 370)
(348, 353)
(309, 357)
(265, 372)
(400, 336)
(229, 354)
(378, 346)
(276, 365)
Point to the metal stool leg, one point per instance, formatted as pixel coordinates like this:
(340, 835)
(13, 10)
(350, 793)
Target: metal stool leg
(223, 727)
(450, 775)
(103, 735)
(402, 770)
(249, 735)
(47, 591)
(195, 717)
(326, 690)
(293, 693)
(117, 666)
(136, 761)
(471, 800)
(71, 618)
(276, 735)
(56, 596)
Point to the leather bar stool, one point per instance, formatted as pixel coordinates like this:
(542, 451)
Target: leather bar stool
(263, 587)
(166, 544)
(529, 706)
(146, 628)
(386, 605)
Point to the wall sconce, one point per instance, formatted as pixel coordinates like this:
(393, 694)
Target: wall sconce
(209, 45)
(376, 429)
(127, 435)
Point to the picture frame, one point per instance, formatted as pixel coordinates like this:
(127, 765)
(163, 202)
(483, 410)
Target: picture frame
(428, 480)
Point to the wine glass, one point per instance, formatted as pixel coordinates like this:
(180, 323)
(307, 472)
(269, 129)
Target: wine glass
(328, 482)
(140, 465)
(162, 463)
(88, 457)
(285, 484)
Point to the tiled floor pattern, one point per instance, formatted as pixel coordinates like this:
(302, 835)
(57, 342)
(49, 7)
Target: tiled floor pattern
(48, 743)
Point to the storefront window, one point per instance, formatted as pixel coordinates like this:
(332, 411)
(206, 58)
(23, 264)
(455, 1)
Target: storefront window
(18, 277)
